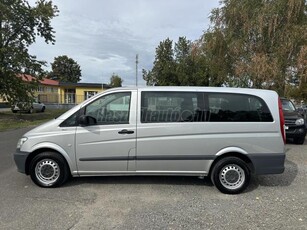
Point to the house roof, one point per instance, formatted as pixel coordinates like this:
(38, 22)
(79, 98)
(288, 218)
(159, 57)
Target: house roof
(44, 81)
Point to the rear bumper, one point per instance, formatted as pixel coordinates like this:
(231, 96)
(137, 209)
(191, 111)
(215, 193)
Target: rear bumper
(268, 163)
(20, 159)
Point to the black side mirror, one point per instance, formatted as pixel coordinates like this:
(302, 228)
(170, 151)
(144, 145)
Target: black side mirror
(86, 120)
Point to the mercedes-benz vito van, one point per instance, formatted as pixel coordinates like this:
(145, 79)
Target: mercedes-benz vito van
(225, 133)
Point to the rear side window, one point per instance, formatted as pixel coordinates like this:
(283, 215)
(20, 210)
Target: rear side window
(227, 107)
(158, 107)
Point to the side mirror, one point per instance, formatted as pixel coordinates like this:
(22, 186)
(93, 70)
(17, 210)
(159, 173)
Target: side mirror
(86, 120)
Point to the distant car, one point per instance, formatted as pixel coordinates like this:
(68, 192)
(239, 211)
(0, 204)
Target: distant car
(36, 106)
(294, 122)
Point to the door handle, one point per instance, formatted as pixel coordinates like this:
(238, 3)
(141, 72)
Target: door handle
(125, 131)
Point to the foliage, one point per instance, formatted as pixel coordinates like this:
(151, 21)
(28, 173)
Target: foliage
(263, 42)
(65, 69)
(20, 24)
(163, 71)
(115, 81)
(250, 43)
(181, 64)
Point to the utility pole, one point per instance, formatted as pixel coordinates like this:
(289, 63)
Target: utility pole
(136, 69)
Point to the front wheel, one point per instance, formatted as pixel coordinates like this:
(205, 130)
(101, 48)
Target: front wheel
(49, 169)
(230, 175)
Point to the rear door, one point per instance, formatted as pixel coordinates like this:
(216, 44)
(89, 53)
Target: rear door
(170, 133)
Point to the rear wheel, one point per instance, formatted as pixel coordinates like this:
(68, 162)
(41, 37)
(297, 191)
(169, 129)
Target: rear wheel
(49, 169)
(43, 109)
(31, 110)
(230, 175)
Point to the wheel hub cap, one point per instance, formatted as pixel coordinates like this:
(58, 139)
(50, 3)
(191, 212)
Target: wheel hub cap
(47, 171)
(232, 176)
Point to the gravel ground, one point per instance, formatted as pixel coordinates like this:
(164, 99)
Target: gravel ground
(270, 202)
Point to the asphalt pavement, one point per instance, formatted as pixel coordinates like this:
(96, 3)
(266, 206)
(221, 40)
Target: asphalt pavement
(270, 202)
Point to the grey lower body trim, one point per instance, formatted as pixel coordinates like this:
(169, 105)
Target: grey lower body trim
(20, 159)
(143, 173)
(151, 158)
(268, 163)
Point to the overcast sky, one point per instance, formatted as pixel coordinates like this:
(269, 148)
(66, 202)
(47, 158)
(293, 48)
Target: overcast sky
(104, 36)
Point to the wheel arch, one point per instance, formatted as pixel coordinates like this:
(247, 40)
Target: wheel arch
(233, 152)
(41, 149)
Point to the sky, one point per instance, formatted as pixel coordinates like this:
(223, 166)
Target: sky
(104, 36)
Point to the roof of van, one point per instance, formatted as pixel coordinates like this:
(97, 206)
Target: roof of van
(193, 88)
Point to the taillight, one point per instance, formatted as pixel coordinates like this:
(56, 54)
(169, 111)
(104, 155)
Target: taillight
(282, 121)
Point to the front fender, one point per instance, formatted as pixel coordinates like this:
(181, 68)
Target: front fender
(49, 145)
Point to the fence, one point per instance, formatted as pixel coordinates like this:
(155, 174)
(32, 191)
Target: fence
(67, 98)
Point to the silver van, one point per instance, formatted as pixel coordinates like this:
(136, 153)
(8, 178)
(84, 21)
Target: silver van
(225, 133)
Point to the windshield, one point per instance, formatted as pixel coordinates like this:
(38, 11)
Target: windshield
(288, 106)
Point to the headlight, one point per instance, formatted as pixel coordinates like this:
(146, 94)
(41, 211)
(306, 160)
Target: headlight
(299, 121)
(21, 142)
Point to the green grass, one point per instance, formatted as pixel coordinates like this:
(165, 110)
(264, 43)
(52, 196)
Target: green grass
(9, 120)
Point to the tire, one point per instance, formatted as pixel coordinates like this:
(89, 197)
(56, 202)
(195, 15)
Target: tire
(43, 109)
(299, 140)
(31, 110)
(49, 170)
(227, 183)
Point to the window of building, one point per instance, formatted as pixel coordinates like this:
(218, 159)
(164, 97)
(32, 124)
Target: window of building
(70, 96)
(89, 94)
(41, 89)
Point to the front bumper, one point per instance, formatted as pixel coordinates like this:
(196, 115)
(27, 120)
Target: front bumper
(20, 159)
(296, 131)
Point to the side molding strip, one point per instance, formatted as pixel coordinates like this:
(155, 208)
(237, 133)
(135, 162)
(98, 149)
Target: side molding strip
(150, 158)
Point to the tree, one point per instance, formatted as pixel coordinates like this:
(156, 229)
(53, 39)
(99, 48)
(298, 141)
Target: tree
(20, 24)
(260, 41)
(65, 69)
(163, 71)
(183, 65)
(116, 81)
(183, 61)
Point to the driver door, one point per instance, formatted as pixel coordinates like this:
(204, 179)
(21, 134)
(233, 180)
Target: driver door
(108, 144)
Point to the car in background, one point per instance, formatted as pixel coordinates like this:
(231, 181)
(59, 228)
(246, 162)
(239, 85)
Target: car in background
(294, 122)
(36, 106)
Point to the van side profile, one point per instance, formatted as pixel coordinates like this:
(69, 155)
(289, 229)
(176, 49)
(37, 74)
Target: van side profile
(227, 134)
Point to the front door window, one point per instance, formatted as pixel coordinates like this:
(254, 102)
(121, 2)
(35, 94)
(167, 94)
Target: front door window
(110, 109)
